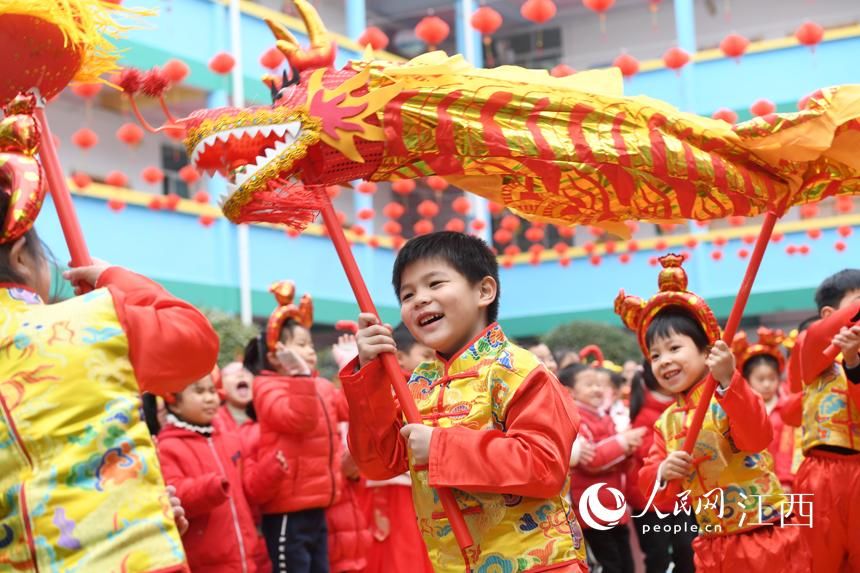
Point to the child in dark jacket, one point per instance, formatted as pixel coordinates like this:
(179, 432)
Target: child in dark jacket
(298, 413)
(205, 467)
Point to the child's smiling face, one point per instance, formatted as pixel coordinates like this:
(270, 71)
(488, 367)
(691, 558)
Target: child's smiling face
(676, 362)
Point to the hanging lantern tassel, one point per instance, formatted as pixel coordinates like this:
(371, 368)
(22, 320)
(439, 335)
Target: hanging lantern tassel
(654, 7)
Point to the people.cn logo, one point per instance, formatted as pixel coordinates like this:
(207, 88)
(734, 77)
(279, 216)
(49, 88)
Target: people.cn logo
(594, 514)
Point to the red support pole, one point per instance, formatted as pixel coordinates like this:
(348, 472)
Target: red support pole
(60, 192)
(732, 325)
(389, 361)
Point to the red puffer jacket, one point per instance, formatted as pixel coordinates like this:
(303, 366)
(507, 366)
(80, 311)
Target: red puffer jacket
(299, 416)
(652, 407)
(207, 475)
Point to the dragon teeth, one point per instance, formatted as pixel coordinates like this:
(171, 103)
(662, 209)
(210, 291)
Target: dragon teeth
(294, 127)
(279, 130)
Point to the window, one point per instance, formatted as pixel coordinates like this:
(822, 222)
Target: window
(174, 158)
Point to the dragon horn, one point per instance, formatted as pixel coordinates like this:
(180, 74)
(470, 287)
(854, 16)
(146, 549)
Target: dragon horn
(286, 42)
(317, 33)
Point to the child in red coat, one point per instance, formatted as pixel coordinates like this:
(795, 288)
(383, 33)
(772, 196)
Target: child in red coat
(298, 413)
(205, 467)
(610, 542)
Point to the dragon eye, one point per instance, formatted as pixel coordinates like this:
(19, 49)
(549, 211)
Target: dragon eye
(288, 85)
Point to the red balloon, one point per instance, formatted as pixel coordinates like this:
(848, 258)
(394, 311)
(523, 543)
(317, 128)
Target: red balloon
(130, 133)
(81, 180)
(373, 37)
(365, 214)
(628, 65)
(366, 188)
(734, 46)
(201, 197)
(809, 34)
(272, 58)
(85, 138)
(403, 186)
(423, 227)
(432, 30)
(152, 175)
(393, 210)
(561, 71)
(189, 175)
(117, 179)
(461, 205)
(538, 11)
(86, 91)
(437, 183)
(676, 58)
(762, 107)
(726, 115)
(456, 225)
(175, 71)
(428, 209)
(599, 6)
(222, 63)
(486, 20)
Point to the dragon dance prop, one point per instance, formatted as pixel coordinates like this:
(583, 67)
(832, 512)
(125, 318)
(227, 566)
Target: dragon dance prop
(47, 44)
(568, 151)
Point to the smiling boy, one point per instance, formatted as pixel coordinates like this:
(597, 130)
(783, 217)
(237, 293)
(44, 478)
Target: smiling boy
(498, 427)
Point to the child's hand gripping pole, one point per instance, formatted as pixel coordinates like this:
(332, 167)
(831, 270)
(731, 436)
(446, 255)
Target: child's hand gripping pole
(60, 192)
(832, 351)
(389, 361)
(729, 333)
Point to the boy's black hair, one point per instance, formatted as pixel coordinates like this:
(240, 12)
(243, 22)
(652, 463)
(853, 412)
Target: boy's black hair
(255, 359)
(567, 375)
(643, 380)
(33, 246)
(470, 256)
(758, 360)
(616, 378)
(676, 320)
(403, 339)
(833, 289)
(149, 405)
(806, 323)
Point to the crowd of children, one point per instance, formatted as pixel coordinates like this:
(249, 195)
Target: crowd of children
(278, 469)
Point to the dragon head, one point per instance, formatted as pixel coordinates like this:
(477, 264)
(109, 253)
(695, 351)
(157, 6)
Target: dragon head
(321, 121)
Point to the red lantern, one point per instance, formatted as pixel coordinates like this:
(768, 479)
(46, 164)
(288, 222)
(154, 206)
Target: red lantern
(676, 58)
(808, 211)
(373, 242)
(455, 225)
(790, 249)
(512, 250)
(595, 260)
(803, 249)
(373, 37)
(341, 217)
(839, 246)
(632, 226)
(734, 46)
(561, 247)
(189, 175)
(844, 231)
(599, 6)
(333, 191)
(85, 138)
(272, 58)
(538, 11)
(365, 214)
(366, 188)
(632, 246)
(495, 208)
(403, 186)
(152, 175)
(691, 243)
(86, 91)
(561, 71)
(510, 222)
(206, 220)
(201, 197)
(392, 228)
(809, 34)
(486, 20)
(436, 183)
(502, 236)
(628, 65)
(652, 261)
(81, 180)
(762, 107)
(117, 179)
(175, 71)
(844, 204)
(716, 255)
(534, 234)
(478, 225)
(624, 258)
(357, 230)
(814, 234)
(432, 30)
(507, 262)
(589, 247)
(116, 205)
(292, 233)
(393, 210)
(743, 253)
(661, 245)
(130, 133)
(155, 203)
(748, 239)
(428, 209)
(461, 205)
(222, 63)
(609, 247)
(776, 237)
(564, 261)
(566, 232)
(423, 227)
(176, 133)
(726, 115)
(737, 220)
(171, 201)
(720, 241)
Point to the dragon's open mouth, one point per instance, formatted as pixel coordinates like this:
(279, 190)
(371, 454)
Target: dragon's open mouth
(241, 153)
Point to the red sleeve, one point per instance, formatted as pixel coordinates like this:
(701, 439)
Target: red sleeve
(607, 453)
(261, 479)
(792, 409)
(374, 422)
(341, 406)
(541, 422)
(199, 494)
(170, 343)
(649, 474)
(819, 335)
(749, 425)
(286, 404)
